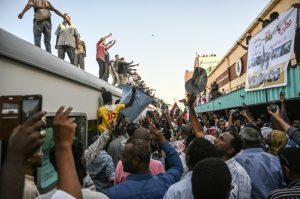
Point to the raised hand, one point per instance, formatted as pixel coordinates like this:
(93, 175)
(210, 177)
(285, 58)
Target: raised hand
(26, 139)
(20, 16)
(282, 97)
(63, 128)
(156, 133)
(276, 114)
(191, 99)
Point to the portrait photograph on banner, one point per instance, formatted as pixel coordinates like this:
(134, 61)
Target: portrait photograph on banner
(269, 53)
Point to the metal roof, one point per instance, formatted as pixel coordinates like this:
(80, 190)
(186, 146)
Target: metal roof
(238, 97)
(20, 50)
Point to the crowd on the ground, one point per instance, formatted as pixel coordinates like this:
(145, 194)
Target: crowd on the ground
(212, 156)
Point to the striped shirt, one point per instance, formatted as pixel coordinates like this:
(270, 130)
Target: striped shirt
(95, 148)
(291, 192)
(240, 180)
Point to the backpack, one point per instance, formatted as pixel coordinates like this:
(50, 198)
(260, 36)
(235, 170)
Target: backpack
(42, 10)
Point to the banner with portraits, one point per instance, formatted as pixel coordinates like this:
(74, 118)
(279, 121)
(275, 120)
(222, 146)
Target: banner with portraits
(269, 53)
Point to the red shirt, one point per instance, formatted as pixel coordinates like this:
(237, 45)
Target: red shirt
(100, 50)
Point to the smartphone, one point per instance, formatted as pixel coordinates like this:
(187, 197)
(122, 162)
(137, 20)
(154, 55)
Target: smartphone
(31, 104)
(273, 108)
(10, 114)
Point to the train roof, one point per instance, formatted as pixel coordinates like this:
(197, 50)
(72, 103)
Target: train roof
(20, 50)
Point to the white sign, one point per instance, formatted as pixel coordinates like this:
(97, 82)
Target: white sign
(269, 53)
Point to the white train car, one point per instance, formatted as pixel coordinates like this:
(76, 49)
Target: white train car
(26, 69)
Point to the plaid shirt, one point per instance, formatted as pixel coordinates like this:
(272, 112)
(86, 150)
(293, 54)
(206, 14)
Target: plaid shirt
(240, 180)
(95, 148)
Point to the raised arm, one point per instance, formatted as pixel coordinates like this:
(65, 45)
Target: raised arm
(283, 112)
(168, 118)
(175, 170)
(130, 66)
(293, 133)
(107, 36)
(111, 45)
(27, 7)
(230, 120)
(23, 143)
(246, 116)
(110, 42)
(196, 126)
(64, 131)
(132, 98)
(95, 148)
(59, 13)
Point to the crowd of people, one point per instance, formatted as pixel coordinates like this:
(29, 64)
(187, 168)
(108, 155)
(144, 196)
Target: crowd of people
(162, 156)
(211, 156)
(68, 41)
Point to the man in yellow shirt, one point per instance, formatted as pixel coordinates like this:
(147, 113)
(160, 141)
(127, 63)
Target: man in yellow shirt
(109, 113)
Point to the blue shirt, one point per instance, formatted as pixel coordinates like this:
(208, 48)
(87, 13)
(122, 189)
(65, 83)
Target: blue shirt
(102, 171)
(147, 186)
(264, 171)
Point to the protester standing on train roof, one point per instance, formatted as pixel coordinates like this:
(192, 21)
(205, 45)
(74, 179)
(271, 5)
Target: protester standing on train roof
(80, 53)
(102, 48)
(42, 21)
(67, 39)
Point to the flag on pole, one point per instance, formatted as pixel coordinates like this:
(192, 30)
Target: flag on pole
(183, 101)
(175, 109)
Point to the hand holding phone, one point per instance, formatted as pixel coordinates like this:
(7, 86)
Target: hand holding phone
(31, 104)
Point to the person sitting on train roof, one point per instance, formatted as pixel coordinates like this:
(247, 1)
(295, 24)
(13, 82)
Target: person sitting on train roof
(42, 21)
(109, 113)
(26, 140)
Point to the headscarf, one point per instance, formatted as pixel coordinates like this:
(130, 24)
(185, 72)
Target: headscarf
(278, 141)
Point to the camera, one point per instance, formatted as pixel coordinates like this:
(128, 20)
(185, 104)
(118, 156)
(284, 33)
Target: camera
(236, 115)
(273, 108)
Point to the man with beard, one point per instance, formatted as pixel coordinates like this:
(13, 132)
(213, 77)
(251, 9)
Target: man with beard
(228, 145)
(141, 183)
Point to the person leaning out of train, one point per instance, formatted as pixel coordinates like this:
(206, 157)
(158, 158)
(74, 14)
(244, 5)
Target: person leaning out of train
(109, 112)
